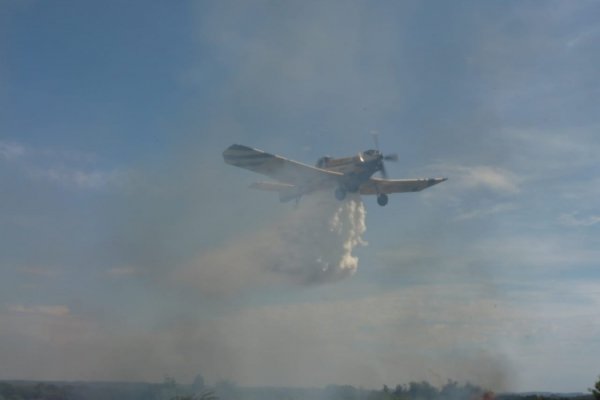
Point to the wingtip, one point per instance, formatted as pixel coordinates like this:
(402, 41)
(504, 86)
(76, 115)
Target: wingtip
(239, 147)
(435, 181)
(233, 148)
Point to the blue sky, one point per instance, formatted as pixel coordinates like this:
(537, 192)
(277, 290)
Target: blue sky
(129, 250)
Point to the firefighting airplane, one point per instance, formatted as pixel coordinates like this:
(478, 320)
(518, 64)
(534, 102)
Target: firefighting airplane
(345, 175)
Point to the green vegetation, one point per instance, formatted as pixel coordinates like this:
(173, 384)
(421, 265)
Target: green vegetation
(203, 396)
(426, 391)
(596, 390)
(45, 391)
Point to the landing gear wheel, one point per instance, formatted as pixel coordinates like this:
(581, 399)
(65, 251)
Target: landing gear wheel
(340, 194)
(382, 199)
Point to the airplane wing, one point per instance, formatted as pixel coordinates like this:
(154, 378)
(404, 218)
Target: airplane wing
(376, 186)
(278, 168)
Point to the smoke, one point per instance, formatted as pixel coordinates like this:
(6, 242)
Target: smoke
(312, 244)
(317, 241)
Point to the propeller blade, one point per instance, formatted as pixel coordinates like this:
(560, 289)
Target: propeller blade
(383, 171)
(391, 157)
(375, 139)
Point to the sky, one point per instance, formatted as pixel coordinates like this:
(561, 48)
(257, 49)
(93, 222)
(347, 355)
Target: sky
(130, 251)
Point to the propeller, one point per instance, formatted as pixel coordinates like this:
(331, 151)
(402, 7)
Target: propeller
(375, 135)
(389, 157)
(382, 170)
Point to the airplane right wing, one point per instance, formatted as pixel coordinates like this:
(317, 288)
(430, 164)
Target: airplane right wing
(279, 168)
(377, 186)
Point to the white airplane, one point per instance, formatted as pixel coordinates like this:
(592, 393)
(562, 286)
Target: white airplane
(346, 175)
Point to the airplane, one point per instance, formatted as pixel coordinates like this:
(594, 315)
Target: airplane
(294, 179)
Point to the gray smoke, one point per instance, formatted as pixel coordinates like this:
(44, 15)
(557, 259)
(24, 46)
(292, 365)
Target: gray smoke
(311, 244)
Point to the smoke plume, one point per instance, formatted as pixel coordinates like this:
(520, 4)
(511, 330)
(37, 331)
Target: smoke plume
(316, 242)
(311, 244)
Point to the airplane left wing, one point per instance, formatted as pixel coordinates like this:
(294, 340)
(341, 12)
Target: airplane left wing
(377, 186)
(278, 168)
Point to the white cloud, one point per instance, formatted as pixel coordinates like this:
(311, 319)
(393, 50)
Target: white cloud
(94, 179)
(536, 253)
(485, 212)
(62, 167)
(492, 178)
(496, 179)
(10, 150)
(583, 36)
(573, 219)
(544, 153)
(490, 258)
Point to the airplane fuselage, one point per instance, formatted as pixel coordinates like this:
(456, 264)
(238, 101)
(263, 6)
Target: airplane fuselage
(356, 170)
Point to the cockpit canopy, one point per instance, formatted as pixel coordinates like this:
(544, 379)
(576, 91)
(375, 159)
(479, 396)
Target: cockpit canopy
(370, 152)
(367, 155)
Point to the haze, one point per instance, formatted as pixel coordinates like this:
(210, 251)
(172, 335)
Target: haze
(129, 250)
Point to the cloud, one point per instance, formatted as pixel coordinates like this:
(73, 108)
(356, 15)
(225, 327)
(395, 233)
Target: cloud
(117, 272)
(67, 168)
(552, 151)
(485, 212)
(492, 178)
(573, 219)
(10, 150)
(44, 272)
(584, 36)
(80, 179)
(48, 310)
(491, 260)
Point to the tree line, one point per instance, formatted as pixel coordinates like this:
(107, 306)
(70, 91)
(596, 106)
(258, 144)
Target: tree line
(170, 389)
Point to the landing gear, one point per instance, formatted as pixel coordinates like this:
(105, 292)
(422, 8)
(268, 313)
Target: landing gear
(382, 199)
(340, 194)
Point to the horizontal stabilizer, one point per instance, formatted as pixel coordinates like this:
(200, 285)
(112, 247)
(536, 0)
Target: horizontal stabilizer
(271, 186)
(286, 191)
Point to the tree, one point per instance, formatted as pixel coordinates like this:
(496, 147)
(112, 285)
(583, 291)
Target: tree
(422, 391)
(596, 390)
(452, 390)
(342, 392)
(169, 388)
(227, 390)
(198, 385)
(208, 395)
